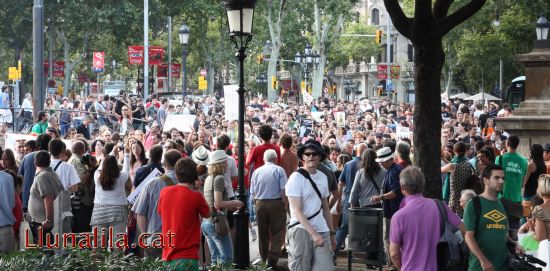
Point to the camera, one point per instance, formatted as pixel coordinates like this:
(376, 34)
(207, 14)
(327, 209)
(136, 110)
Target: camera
(87, 159)
(524, 263)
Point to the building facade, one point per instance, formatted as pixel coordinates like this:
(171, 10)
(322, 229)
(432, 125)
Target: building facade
(359, 80)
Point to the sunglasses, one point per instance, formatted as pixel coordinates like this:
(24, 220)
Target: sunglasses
(309, 154)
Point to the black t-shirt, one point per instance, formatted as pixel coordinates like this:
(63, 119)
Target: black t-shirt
(118, 107)
(83, 129)
(139, 114)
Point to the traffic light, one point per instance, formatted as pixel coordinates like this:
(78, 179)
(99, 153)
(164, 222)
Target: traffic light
(274, 83)
(378, 38)
(380, 90)
(259, 58)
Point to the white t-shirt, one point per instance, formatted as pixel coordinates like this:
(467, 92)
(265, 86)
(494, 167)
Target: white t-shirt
(66, 172)
(116, 196)
(229, 174)
(298, 186)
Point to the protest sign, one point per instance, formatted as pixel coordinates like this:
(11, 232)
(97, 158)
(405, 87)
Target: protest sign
(135, 194)
(12, 137)
(340, 118)
(183, 123)
(317, 116)
(231, 99)
(306, 127)
(402, 132)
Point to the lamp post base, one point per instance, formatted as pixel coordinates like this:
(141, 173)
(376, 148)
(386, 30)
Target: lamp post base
(242, 249)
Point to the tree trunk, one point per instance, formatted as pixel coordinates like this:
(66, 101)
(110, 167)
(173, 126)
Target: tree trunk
(272, 93)
(429, 59)
(68, 66)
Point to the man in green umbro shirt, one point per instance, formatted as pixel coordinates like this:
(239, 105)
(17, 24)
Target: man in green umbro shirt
(515, 168)
(487, 228)
(41, 124)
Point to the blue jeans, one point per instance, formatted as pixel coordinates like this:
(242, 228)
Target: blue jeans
(221, 248)
(251, 207)
(342, 232)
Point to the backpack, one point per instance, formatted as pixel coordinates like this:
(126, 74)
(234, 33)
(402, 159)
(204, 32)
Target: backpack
(452, 252)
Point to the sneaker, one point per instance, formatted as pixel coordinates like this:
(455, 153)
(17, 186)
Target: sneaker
(253, 234)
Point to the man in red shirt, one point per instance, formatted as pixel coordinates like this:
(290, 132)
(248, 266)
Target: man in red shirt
(255, 159)
(180, 208)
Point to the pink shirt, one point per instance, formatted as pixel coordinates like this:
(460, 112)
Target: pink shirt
(416, 228)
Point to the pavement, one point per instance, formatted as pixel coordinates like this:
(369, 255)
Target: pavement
(341, 261)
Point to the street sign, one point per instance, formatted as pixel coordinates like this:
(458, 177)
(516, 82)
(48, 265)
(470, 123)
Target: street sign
(203, 84)
(389, 85)
(99, 60)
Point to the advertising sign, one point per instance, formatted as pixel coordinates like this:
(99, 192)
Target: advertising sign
(162, 70)
(395, 71)
(58, 69)
(135, 55)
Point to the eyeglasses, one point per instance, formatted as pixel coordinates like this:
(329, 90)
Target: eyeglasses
(309, 154)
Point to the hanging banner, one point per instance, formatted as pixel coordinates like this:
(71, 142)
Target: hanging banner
(58, 69)
(162, 70)
(395, 71)
(231, 99)
(136, 54)
(99, 61)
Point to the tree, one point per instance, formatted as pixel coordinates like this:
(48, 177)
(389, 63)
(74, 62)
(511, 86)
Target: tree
(431, 22)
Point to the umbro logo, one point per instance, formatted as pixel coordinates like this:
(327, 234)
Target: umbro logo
(495, 216)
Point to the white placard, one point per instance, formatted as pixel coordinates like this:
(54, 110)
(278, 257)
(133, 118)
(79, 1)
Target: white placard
(231, 100)
(12, 137)
(317, 116)
(133, 196)
(544, 254)
(183, 123)
(340, 119)
(402, 132)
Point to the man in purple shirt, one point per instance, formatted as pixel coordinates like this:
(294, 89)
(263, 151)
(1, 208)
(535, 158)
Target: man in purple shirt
(413, 242)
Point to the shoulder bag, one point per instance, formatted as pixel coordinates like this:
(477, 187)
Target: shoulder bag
(219, 218)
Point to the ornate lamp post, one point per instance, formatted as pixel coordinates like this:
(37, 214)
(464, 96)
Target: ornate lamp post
(542, 33)
(306, 60)
(240, 14)
(184, 40)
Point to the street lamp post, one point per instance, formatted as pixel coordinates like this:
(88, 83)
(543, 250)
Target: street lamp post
(240, 14)
(184, 40)
(542, 33)
(306, 60)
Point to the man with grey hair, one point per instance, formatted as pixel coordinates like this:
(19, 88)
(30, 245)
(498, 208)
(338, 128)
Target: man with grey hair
(267, 188)
(413, 242)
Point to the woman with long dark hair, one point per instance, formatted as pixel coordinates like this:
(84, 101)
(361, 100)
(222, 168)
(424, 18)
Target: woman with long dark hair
(136, 158)
(368, 181)
(8, 161)
(110, 204)
(535, 168)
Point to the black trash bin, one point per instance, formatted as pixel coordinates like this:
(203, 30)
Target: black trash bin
(365, 234)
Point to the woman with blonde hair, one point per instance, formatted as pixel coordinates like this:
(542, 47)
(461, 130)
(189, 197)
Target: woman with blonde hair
(221, 247)
(541, 213)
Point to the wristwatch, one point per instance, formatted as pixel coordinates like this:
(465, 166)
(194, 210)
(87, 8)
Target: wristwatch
(382, 197)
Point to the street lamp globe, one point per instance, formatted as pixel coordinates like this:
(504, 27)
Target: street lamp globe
(316, 58)
(542, 28)
(240, 12)
(184, 34)
(298, 57)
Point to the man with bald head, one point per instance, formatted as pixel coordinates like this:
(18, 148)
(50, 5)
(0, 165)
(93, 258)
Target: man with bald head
(82, 211)
(344, 186)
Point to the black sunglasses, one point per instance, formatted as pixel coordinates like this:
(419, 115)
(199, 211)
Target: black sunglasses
(308, 154)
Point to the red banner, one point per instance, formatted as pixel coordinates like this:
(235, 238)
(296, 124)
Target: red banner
(99, 60)
(162, 70)
(58, 69)
(135, 55)
(395, 71)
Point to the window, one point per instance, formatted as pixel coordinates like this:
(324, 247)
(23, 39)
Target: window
(375, 16)
(410, 53)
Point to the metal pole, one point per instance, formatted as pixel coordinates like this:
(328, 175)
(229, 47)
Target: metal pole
(169, 54)
(38, 56)
(500, 78)
(184, 72)
(145, 49)
(50, 49)
(242, 249)
(388, 53)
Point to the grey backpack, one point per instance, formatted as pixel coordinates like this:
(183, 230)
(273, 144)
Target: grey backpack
(452, 253)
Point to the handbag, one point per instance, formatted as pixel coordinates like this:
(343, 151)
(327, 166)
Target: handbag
(221, 225)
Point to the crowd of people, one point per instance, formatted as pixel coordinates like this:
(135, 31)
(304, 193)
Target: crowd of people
(304, 169)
